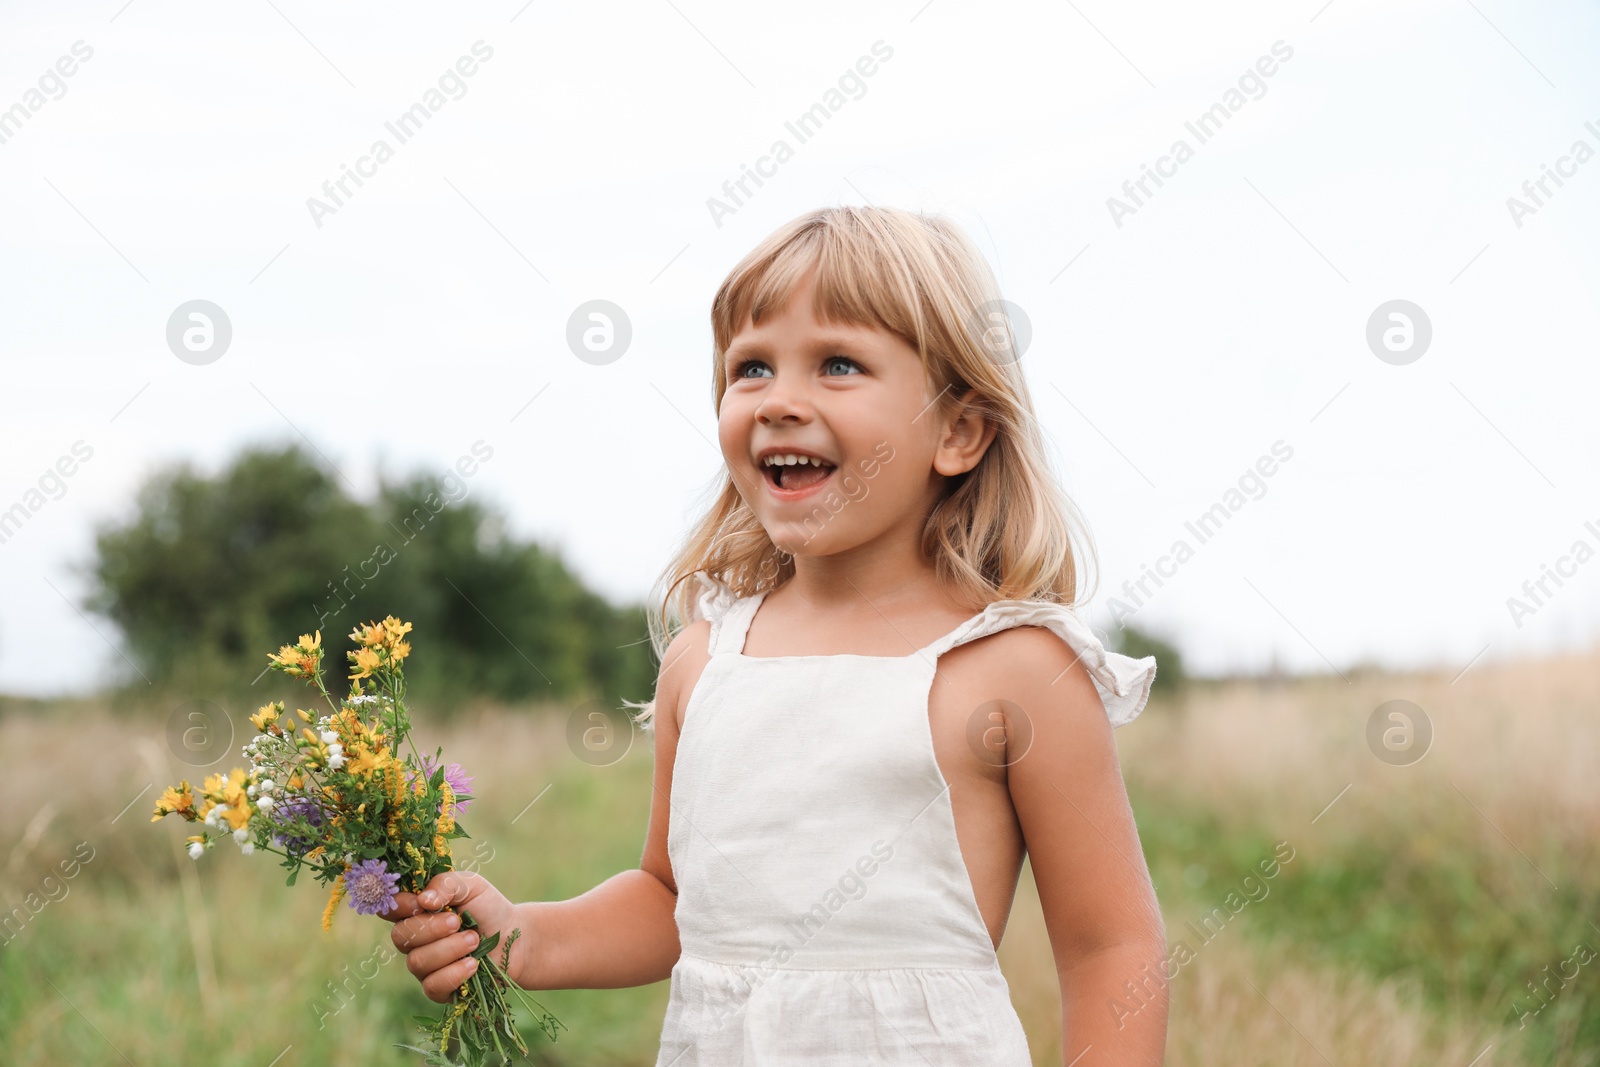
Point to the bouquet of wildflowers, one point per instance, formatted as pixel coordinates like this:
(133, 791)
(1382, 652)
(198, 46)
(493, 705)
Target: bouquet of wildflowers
(333, 793)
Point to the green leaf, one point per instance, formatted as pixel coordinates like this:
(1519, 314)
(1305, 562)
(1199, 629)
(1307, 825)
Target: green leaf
(486, 946)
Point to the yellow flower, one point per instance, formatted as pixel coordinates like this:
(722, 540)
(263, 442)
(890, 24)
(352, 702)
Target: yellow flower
(226, 791)
(394, 630)
(291, 661)
(237, 813)
(302, 659)
(368, 636)
(400, 651)
(447, 819)
(179, 800)
(366, 662)
(333, 902)
(267, 715)
(367, 760)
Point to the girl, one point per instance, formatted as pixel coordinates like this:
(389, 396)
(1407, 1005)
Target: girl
(881, 701)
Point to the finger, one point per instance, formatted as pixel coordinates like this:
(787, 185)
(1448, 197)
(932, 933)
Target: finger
(427, 959)
(404, 904)
(442, 984)
(450, 887)
(424, 929)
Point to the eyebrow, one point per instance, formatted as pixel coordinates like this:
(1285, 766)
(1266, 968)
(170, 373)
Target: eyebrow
(760, 348)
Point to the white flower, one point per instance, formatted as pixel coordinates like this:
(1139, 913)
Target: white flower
(211, 816)
(328, 737)
(268, 785)
(336, 761)
(250, 792)
(241, 835)
(335, 747)
(196, 850)
(247, 848)
(265, 804)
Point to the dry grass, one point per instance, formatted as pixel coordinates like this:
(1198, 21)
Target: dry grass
(1520, 741)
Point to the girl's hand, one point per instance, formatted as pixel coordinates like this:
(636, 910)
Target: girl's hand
(437, 950)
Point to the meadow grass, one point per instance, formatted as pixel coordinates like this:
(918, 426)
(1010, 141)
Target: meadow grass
(1416, 909)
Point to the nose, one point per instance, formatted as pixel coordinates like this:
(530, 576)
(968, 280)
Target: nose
(783, 401)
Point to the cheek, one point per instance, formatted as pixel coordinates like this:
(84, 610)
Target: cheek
(732, 428)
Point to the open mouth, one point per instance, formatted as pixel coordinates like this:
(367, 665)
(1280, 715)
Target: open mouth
(795, 473)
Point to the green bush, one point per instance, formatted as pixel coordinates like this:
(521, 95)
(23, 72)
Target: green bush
(209, 574)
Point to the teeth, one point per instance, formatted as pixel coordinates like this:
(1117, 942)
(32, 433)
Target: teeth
(789, 460)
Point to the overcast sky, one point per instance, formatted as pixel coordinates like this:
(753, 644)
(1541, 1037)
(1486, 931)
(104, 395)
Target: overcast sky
(1176, 339)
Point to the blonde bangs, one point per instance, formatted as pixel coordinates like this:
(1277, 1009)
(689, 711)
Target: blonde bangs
(859, 283)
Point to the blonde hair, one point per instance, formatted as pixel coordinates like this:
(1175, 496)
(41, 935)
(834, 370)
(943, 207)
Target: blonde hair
(1004, 529)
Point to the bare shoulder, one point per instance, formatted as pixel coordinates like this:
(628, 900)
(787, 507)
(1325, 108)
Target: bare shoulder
(1030, 666)
(685, 658)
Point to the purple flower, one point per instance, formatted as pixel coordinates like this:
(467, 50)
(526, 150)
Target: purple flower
(371, 887)
(459, 781)
(285, 814)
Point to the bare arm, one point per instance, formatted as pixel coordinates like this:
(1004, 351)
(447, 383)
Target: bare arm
(1100, 908)
(620, 933)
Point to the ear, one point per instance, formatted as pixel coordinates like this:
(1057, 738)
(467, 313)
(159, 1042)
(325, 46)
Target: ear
(967, 434)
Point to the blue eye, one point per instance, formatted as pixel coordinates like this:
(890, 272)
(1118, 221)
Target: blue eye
(740, 368)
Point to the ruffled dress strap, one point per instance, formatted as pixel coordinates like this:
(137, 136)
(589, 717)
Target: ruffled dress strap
(1123, 682)
(720, 605)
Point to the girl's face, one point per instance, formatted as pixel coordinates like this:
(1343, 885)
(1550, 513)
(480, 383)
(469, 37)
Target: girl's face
(855, 398)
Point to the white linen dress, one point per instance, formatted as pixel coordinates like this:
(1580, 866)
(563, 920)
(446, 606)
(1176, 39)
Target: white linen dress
(825, 914)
